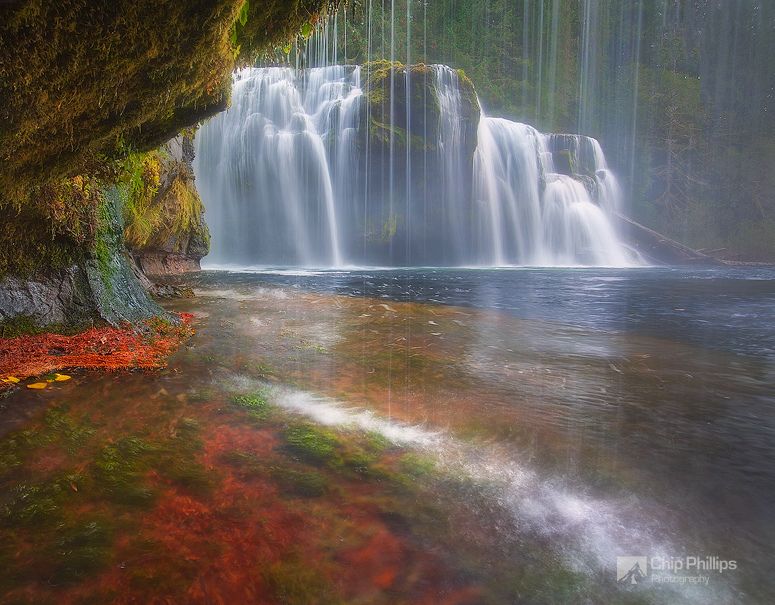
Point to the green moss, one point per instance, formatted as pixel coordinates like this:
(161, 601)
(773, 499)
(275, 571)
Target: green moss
(73, 435)
(263, 369)
(31, 504)
(254, 401)
(416, 466)
(26, 325)
(167, 578)
(168, 218)
(81, 550)
(293, 581)
(376, 442)
(248, 464)
(311, 443)
(119, 472)
(307, 345)
(58, 428)
(255, 404)
(190, 476)
(349, 452)
(177, 460)
(303, 484)
(19, 326)
(291, 481)
(53, 230)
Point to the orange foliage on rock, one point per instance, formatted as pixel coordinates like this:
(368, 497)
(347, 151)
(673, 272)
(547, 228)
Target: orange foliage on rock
(105, 348)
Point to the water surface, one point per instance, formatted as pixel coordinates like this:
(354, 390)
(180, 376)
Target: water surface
(459, 436)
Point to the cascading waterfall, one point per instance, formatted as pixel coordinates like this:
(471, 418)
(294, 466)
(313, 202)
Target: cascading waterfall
(292, 176)
(536, 215)
(273, 192)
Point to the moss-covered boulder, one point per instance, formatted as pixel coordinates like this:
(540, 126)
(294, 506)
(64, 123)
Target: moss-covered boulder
(385, 89)
(420, 122)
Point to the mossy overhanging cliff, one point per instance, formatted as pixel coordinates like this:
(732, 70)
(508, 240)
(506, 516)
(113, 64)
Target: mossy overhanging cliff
(81, 81)
(83, 87)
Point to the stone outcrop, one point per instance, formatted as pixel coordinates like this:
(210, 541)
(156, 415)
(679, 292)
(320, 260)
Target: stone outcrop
(419, 126)
(101, 287)
(170, 235)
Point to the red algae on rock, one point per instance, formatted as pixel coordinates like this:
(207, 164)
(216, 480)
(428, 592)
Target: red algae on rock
(108, 348)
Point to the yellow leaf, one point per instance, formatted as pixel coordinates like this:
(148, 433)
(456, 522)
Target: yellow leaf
(61, 377)
(37, 385)
(11, 379)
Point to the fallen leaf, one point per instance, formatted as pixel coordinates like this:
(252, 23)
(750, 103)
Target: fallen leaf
(37, 385)
(12, 379)
(61, 377)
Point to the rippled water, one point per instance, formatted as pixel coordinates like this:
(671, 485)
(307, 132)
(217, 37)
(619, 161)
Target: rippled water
(496, 436)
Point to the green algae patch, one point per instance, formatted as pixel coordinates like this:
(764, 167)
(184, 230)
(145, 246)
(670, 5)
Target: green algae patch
(120, 469)
(416, 465)
(190, 476)
(32, 504)
(255, 405)
(289, 479)
(299, 483)
(313, 444)
(248, 465)
(81, 549)
(253, 401)
(348, 453)
(294, 581)
(177, 460)
(58, 430)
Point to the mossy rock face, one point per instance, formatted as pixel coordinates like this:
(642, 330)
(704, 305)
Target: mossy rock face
(78, 77)
(102, 285)
(419, 127)
(165, 227)
(81, 85)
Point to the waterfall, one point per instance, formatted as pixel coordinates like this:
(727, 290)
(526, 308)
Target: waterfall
(275, 193)
(537, 191)
(450, 157)
(293, 174)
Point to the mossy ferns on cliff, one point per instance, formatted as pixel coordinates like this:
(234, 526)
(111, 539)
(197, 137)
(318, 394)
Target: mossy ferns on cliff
(140, 184)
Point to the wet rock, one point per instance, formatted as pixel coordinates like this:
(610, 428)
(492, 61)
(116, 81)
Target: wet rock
(178, 236)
